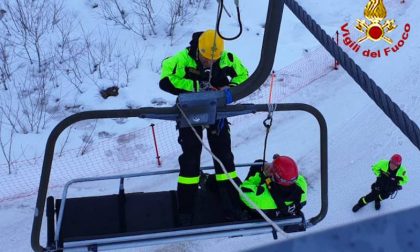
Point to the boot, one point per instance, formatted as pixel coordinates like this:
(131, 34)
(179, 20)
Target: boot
(208, 182)
(230, 201)
(186, 195)
(377, 204)
(359, 205)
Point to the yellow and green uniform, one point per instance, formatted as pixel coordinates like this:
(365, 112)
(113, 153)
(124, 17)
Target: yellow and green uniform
(227, 71)
(273, 196)
(382, 168)
(387, 182)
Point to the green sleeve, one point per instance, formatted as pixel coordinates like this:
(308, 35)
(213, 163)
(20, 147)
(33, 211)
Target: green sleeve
(237, 66)
(301, 182)
(174, 68)
(256, 179)
(381, 165)
(252, 182)
(264, 200)
(241, 71)
(402, 174)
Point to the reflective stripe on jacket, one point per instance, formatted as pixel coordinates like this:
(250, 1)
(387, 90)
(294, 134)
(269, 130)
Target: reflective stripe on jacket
(261, 196)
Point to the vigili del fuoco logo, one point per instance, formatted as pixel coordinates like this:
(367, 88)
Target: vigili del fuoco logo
(376, 27)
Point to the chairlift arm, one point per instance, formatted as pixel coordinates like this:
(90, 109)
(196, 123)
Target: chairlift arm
(166, 112)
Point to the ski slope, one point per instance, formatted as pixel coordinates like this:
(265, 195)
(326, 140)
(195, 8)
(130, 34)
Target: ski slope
(359, 132)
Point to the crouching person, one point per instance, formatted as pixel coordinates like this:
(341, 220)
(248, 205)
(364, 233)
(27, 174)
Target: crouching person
(277, 188)
(390, 177)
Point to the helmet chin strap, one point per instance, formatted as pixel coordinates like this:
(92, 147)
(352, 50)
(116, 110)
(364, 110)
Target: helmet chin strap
(213, 49)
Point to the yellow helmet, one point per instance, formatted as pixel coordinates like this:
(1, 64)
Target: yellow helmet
(210, 45)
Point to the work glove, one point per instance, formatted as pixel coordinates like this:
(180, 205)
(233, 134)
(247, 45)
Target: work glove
(197, 75)
(228, 94)
(206, 86)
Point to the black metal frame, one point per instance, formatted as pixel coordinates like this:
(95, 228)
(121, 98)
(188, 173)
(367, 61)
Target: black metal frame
(168, 113)
(243, 228)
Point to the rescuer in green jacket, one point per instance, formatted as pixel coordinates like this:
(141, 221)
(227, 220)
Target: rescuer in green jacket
(391, 175)
(203, 66)
(277, 189)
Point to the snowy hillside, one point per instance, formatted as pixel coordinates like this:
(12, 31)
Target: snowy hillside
(359, 132)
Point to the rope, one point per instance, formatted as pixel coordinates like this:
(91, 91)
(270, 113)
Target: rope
(398, 117)
(266, 218)
(269, 120)
(267, 127)
(273, 77)
(267, 124)
(219, 17)
(394, 194)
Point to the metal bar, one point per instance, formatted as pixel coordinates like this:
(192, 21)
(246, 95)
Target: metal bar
(50, 221)
(182, 235)
(122, 176)
(142, 174)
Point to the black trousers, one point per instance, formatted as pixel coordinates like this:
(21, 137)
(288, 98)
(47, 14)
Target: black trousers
(378, 195)
(189, 161)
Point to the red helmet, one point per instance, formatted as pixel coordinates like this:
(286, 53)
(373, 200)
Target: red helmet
(284, 170)
(396, 159)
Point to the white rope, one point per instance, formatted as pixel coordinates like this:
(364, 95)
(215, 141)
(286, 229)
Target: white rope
(266, 218)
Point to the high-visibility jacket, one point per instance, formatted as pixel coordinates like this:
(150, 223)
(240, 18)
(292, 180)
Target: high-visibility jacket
(382, 167)
(261, 195)
(228, 70)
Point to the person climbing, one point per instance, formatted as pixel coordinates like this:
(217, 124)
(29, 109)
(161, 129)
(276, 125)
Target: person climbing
(276, 187)
(204, 66)
(391, 175)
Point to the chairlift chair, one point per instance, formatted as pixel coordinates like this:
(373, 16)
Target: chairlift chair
(138, 219)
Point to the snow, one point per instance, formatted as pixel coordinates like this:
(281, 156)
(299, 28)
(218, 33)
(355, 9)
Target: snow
(359, 133)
